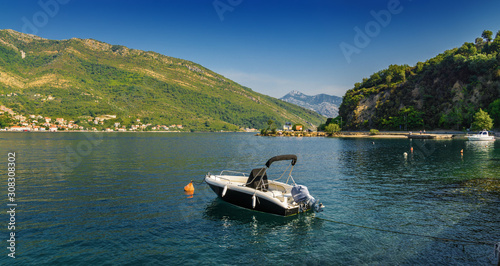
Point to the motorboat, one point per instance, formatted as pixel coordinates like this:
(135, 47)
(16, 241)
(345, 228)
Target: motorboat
(483, 135)
(256, 191)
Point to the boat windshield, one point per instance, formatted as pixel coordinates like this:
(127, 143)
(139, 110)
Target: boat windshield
(258, 179)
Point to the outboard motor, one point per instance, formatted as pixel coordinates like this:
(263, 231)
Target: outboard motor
(301, 195)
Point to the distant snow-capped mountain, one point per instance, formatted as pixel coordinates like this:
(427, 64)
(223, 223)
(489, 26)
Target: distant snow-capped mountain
(323, 104)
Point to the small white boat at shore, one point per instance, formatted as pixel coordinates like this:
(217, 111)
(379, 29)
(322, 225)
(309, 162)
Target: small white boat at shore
(256, 192)
(481, 136)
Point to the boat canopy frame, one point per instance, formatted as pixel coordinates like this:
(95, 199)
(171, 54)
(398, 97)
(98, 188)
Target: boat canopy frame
(282, 158)
(259, 175)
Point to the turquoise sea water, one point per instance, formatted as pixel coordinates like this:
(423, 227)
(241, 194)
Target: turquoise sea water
(117, 198)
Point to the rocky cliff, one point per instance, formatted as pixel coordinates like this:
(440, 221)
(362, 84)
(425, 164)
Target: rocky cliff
(442, 92)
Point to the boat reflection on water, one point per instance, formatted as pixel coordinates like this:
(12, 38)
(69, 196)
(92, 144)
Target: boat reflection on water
(219, 210)
(480, 145)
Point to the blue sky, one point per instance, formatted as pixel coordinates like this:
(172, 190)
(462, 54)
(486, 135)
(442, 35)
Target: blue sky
(271, 46)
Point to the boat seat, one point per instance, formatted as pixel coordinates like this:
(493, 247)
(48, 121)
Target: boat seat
(258, 179)
(276, 193)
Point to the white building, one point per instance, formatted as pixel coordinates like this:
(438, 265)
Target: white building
(287, 126)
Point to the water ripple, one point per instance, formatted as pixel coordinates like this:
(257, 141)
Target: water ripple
(123, 202)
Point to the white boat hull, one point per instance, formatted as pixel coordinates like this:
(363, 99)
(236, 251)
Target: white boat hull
(472, 138)
(276, 200)
(481, 136)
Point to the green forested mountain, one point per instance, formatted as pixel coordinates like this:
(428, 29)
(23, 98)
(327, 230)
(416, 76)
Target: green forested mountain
(442, 92)
(84, 78)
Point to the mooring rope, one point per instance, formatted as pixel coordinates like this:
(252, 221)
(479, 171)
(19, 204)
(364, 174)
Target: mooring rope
(199, 182)
(497, 245)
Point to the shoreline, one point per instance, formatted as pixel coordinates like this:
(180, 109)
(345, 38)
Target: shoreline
(436, 135)
(88, 131)
(92, 131)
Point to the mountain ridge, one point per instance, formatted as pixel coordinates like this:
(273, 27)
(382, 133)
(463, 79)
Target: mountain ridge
(324, 104)
(88, 78)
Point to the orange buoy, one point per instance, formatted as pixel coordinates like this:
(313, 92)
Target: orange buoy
(411, 149)
(189, 187)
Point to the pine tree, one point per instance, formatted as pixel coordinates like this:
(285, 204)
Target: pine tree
(482, 121)
(487, 34)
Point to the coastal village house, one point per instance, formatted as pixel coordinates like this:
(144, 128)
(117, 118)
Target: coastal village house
(40, 123)
(287, 126)
(20, 128)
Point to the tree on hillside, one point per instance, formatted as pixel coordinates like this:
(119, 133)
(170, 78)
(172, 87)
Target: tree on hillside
(494, 110)
(269, 123)
(5, 121)
(479, 43)
(487, 35)
(495, 45)
(337, 120)
(482, 121)
(271, 126)
(332, 129)
(468, 49)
